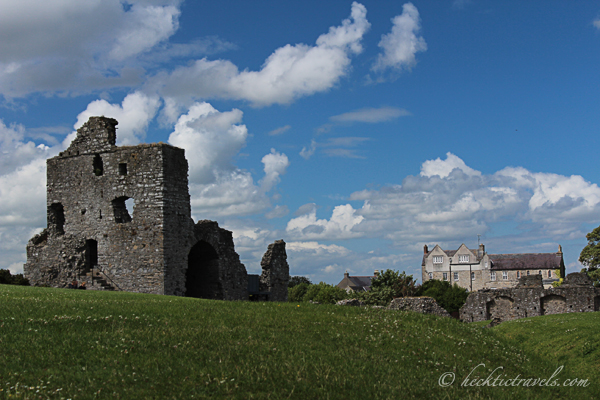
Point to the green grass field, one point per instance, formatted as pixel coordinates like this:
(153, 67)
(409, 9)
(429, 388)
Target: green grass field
(72, 344)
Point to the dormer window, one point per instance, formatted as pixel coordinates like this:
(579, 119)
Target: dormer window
(463, 258)
(438, 259)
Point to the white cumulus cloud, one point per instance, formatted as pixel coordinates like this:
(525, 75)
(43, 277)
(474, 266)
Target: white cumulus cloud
(72, 46)
(340, 226)
(134, 114)
(402, 43)
(443, 168)
(211, 139)
(292, 71)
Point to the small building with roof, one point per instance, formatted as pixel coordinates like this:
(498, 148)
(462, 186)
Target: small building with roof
(357, 283)
(475, 269)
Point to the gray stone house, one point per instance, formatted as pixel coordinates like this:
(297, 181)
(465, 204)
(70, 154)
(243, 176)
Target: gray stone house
(475, 269)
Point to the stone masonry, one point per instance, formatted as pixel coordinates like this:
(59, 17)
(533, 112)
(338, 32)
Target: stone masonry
(120, 219)
(422, 305)
(529, 299)
(275, 272)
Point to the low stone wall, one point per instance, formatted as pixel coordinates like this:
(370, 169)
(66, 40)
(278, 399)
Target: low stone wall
(351, 302)
(422, 305)
(530, 299)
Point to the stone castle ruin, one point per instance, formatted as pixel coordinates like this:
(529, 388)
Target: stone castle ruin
(530, 299)
(119, 218)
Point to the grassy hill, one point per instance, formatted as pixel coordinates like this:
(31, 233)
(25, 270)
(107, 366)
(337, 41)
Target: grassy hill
(74, 344)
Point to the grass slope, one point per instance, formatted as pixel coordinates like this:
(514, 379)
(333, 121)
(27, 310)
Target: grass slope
(57, 343)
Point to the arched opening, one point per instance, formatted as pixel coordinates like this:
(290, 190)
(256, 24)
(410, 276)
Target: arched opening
(56, 218)
(553, 304)
(597, 303)
(202, 276)
(120, 205)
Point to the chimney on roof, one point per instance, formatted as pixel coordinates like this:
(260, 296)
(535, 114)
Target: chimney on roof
(346, 274)
(376, 273)
(481, 250)
(425, 249)
(559, 249)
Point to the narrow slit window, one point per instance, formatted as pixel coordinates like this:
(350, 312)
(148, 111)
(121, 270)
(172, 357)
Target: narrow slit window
(123, 169)
(98, 165)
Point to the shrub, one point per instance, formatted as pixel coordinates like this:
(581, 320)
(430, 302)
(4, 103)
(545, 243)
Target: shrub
(449, 297)
(325, 293)
(297, 293)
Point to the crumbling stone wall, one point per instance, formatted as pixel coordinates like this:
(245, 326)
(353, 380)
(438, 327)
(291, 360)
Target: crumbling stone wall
(154, 247)
(88, 188)
(61, 258)
(214, 268)
(422, 305)
(529, 299)
(275, 272)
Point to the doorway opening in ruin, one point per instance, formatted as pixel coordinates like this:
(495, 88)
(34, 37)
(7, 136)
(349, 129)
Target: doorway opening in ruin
(597, 303)
(202, 276)
(56, 218)
(91, 253)
(120, 208)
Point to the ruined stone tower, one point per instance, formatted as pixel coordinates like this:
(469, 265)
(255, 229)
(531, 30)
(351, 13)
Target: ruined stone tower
(119, 218)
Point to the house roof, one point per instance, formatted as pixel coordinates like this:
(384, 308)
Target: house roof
(525, 261)
(356, 282)
(449, 253)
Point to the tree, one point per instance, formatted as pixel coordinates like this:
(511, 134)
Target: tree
(387, 285)
(8, 279)
(449, 297)
(296, 280)
(324, 293)
(560, 278)
(297, 293)
(590, 256)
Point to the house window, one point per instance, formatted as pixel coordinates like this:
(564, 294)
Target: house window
(438, 259)
(540, 272)
(463, 259)
(472, 276)
(486, 264)
(505, 275)
(445, 276)
(492, 276)
(430, 275)
(528, 273)
(518, 274)
(455, 276)
(549, 274)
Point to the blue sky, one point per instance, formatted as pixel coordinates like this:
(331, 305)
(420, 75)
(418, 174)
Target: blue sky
(357, 132)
